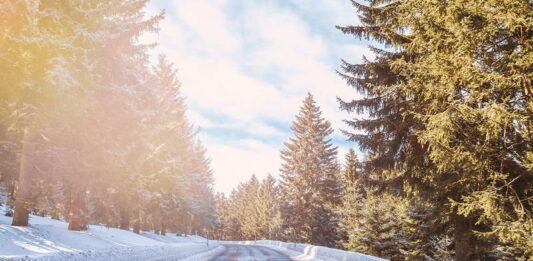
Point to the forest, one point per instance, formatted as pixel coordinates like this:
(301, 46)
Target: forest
(95, 131)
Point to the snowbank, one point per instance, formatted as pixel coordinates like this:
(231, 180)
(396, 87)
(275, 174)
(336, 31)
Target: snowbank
(48, 239)
(324, 253)
(207, 255)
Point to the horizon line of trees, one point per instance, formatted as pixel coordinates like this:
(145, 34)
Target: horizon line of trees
(90, 130)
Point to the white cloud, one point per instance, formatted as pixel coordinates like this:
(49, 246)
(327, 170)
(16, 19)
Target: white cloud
(291, 50)
(207, 20)
(262, 129)
(219, 59)
(285, 42)
(226, 89)
(198, 119)
(234, 164)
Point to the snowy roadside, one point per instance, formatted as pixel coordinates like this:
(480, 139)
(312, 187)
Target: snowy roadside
(311, 252)
(182, 251)
(207, 255)
(47, 239)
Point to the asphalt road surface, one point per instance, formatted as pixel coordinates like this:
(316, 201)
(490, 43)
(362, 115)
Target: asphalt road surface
(250, 252)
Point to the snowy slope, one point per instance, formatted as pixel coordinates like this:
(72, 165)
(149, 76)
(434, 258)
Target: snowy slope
(48, 239)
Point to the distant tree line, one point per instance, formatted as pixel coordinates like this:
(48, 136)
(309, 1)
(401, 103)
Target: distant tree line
(251, 211)
(91, 131)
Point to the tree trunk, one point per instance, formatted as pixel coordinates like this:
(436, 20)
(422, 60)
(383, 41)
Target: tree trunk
(163, 228)
(137, 222)
(136, 227)
(11, 191)
(124, 220)
(462, 238)
(76, 222)
(23, 192)
(145, 225)
(157, 220)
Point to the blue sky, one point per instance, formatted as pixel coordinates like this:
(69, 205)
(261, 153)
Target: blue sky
(246, 66)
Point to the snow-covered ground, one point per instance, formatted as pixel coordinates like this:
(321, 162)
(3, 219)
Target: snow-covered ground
(48, 239)
(310, 252)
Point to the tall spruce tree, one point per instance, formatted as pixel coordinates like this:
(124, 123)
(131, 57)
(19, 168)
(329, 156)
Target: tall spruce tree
(309, 179)
(449, 104)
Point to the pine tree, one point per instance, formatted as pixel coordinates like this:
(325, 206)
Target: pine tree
(223, 214)
(118, 147)
(418, 228)
(170, 143)
(246, 209)
(350, 174)
(251, 212)
(353, 196)
(234, 224)
(309, 179)
(372, 221)
(351, 215)
(22, 40)
(448, 113)
(441, 249)
(241, 223)
(379, 230)
(267, 210)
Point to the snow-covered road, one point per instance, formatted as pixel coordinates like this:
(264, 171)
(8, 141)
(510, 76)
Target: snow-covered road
(238, 252)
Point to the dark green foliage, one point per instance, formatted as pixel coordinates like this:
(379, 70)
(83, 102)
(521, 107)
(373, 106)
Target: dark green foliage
(449, 106)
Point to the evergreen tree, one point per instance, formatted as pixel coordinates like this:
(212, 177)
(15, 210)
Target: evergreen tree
(372, 221)
(379, 230)
(233, 224)
(25, 89)
(441, 249)
(309, 179)
(223, 213)
(419, 228)
(108, 136)
(267, 210)
(351, 215)
(350, 174)
(350, 209)
(245, 209)
(448, 113)
(251, 212)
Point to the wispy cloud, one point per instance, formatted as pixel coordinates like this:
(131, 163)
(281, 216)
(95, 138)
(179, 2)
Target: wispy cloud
(247, 64)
